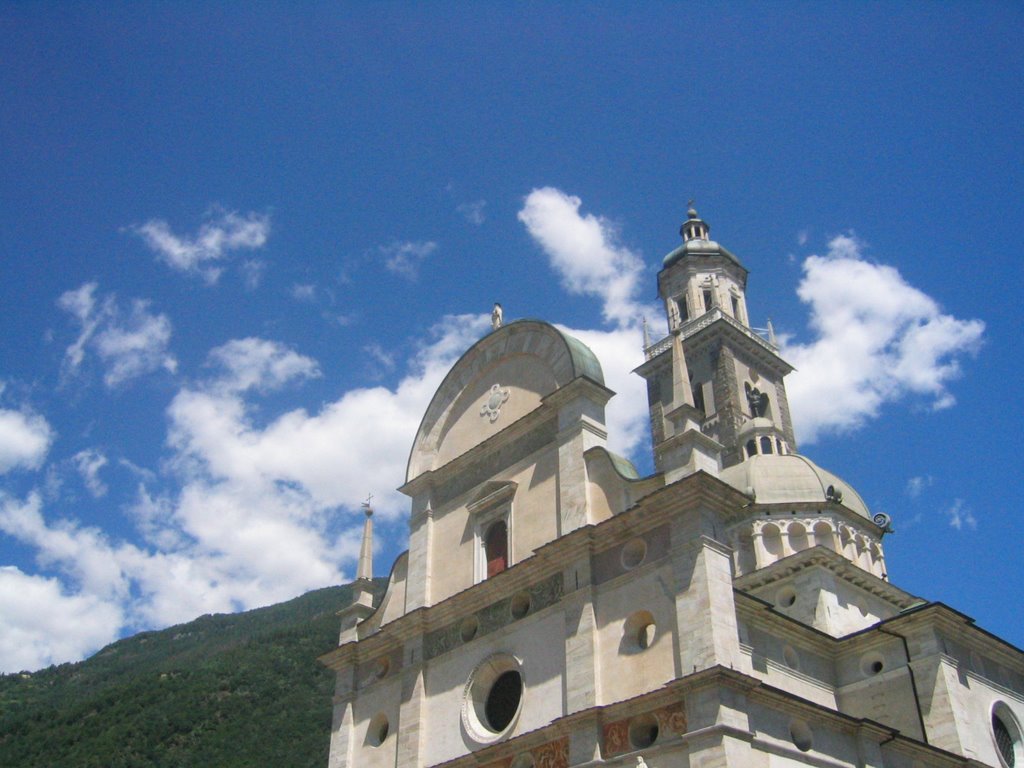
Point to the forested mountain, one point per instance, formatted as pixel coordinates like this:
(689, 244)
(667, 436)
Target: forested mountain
(221, 691)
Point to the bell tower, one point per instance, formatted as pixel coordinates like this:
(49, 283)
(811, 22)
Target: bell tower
(714, 385)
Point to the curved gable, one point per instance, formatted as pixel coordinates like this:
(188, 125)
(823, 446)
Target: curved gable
(499, 380)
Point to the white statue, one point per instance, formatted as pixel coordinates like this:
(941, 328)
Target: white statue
(640, 762)
(496, 315)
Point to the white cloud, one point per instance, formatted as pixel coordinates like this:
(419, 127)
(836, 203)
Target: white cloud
(404, 259)
(626, 415)
(89, 463)
(40, 624)
(877, 340)
(384, 359)
(959, 516)
(129, 345)
(259, 364)
(25, 439)
(584, 251)
(303, 292)
(473, 212)
(223, 232)
(917, 484)
(252, 273)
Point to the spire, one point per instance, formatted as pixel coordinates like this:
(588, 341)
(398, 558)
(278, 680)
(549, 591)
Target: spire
(365, 569)
(362, 588)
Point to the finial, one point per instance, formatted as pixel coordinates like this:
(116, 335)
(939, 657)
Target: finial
(367, 509)
(647, 333)
(771, 334)
(691, 212)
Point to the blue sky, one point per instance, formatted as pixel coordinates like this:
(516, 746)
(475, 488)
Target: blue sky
(240, 245)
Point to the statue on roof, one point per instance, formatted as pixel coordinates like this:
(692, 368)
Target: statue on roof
(496, 317)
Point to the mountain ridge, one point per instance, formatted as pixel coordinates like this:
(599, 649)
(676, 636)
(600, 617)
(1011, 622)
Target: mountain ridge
(228, 690)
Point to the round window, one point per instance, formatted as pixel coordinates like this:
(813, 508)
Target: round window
(469, 628)
(633, 553)
(643, 731)
(378, 730)
(800, 733)
(785, 597)
(638, 632)
(520, 605)
(493, 698)
(1006, 734)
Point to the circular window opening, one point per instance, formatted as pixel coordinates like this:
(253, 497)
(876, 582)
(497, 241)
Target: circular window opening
(381, 667)
(1007, 736)
(520, 605)
(643, 731)
(503, 700)
(786, 597)
(468, 629)
(378, 730)
(790, 656)
(638, 632)
(633, 553)
(800, 733)
(493, 699)
(872, 664)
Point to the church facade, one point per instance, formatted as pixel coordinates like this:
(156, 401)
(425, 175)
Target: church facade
(555, 609)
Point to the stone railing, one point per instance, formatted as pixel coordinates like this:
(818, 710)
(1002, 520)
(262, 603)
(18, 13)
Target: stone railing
(690, 327)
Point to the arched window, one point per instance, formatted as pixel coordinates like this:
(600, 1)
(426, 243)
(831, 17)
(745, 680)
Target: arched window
(496, 548)
(766, 444)
(751, 448)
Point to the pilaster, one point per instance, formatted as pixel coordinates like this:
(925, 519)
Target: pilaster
(412, 709)
(705, 603)
(582, 682)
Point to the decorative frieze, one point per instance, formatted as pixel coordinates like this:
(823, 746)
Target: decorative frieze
(554, 754)
(496, 615)
(671, 721)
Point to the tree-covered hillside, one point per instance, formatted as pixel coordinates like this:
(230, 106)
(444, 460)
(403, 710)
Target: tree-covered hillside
(226, 690)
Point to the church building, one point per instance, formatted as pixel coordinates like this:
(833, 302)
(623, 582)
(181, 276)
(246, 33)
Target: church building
(733, 609)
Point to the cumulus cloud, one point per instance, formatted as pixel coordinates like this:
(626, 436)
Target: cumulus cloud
(877, 340)
(89, 463)
(223, 232)
(128, 343)
(404, 259)
(252, 363)
(36, 617)
(254, 514)
(25, 439)
(584, 251)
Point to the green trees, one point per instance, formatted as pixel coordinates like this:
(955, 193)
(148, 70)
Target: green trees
(228, 690)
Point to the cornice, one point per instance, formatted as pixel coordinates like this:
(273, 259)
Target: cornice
(821, 557)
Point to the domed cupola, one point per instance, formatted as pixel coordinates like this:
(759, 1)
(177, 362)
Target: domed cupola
(694, 228)
(795, 504)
